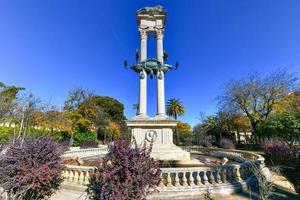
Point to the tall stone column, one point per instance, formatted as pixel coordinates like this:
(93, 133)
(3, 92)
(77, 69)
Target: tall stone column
(143, 75)
(160, 77)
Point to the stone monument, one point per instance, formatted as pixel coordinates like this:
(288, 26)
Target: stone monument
(157, 129)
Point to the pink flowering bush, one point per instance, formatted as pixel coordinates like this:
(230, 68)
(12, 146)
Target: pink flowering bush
(127, 172)
(226, 143)
(278, 151)
(31, 169)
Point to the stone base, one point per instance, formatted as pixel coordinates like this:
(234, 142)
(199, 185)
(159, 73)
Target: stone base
(160, 132)
(141, 117)
(170, 153)
(161, 117)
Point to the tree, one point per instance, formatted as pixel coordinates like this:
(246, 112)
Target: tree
(289, 103)
(184, 130)
(75, 98)
(175, 109)
(24, 114)
(111, 106)
(105, 113)
(55, 120)
(71, 106)
(256, 96)
(241, 124)
(8, 95)
(283, 125)
(198, 132)
(219, 125)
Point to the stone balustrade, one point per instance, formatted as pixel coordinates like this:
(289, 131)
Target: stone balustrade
(86, 152)
(182, 178)
(77, 174)
(172, 178)
(236, 155)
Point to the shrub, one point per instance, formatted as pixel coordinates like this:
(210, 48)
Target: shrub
(1, 148)
(283, 125)
(63, 146)
(278, 151)
(5, 134)
(226, 143)
(264, 186)
(127, 172)
(89, 144)
(31, 169)
(61, 136)
(205, 141)
(80, 137)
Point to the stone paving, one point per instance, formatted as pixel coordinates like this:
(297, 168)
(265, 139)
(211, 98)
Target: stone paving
(68, 195)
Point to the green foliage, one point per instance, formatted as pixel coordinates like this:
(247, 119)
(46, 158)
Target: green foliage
(34, 132)
(283, 125)
(184, 130)
(175, 109)
(257, 96)
(5, 134)
(81, 137)
(90, 113)
(61, 136)
(7, 96)
(105, 114)
(218, 125)
(112, 107)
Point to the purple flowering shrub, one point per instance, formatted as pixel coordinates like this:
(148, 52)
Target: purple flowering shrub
(63, 146)
(31, 169)
(226, 143)
(126, 172)
(278, 151)
(89, 144)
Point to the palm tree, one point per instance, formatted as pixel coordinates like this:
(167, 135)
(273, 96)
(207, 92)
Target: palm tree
(175, 109)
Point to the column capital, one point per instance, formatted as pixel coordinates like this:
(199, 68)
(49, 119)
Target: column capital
(143, 34)
(159, 33)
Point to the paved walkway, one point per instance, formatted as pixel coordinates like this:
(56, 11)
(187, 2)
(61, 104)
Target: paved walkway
(68, 195)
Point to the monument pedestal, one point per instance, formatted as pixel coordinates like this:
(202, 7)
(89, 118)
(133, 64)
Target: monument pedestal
(161, 133)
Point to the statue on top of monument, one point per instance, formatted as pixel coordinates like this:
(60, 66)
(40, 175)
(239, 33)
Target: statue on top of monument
(158, 10)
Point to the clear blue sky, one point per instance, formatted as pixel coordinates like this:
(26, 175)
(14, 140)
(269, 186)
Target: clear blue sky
(51, 46)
